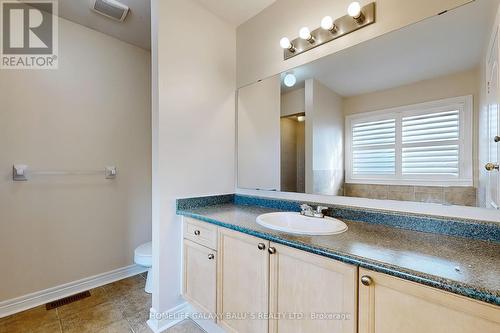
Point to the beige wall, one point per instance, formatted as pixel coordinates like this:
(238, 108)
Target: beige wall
(457, 84)
(288, 152)
(258, 52)
(91, 112)
(193, 126)
(324, 139)
(301, 157)
(293, 102)
(292, 155)
(454, 85)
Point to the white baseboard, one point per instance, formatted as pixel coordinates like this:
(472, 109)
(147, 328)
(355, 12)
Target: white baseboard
(32, 300)
(160, 323)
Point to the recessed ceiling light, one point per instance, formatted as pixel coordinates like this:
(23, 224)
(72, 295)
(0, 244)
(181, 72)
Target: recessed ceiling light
(289, 80)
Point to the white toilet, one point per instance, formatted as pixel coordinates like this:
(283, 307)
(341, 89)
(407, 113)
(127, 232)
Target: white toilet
(143, 257)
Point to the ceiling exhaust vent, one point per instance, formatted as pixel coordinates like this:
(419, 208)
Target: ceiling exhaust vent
(111, 8)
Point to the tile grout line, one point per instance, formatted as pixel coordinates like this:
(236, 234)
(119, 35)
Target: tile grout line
(120, 306)
(201, 328)
(129, 325)
(59, 320)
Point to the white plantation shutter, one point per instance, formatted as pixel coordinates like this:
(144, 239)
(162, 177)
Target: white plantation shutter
(431, 144)
(373, 148)
(427, 144)
(431, 160)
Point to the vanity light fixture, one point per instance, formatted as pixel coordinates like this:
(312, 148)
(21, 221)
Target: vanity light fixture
(289, 80)
(305, 34)
(327, 24)
(357, 17)
(285, 44)
(354, 11)
(301, 118)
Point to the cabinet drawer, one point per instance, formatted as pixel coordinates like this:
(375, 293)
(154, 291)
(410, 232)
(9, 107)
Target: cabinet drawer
(199, 232)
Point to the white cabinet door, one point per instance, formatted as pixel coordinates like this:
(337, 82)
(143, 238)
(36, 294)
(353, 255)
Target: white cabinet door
(392, 305)
(200, 272)
(243, 275)
(314, 293)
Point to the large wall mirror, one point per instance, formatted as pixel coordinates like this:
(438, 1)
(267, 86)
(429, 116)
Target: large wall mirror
(412, 115)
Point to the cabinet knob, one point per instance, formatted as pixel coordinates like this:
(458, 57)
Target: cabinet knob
(211, 256)
(366, 280)
(197, 232)
(272, 250)
(497, 138)
(492, 166)
(261, 246)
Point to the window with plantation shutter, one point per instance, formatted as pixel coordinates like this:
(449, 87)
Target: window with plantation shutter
(431, 144)
(373, 144)
(422, 144)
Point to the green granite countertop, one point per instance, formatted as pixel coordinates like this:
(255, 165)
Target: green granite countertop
(464, 266)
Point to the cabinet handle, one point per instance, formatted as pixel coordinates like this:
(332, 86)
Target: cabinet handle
(272, 250)
(261, 246)
(211, 256)
(197, 232)
(366, 280)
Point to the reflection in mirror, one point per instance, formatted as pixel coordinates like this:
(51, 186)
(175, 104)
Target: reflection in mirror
(411, 115)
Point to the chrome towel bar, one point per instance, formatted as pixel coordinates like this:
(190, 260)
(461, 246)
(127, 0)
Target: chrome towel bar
(20, 172)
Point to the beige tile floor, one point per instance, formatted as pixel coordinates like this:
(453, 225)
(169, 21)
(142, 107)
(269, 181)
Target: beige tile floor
(122, 306)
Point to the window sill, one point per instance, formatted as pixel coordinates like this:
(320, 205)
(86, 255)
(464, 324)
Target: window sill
(410, 182)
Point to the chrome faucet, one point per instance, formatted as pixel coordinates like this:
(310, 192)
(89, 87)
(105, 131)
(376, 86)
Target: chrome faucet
(307, 210)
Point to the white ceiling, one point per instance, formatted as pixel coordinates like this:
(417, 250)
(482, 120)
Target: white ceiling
(235, 11)
(136, 29)
(435, 47)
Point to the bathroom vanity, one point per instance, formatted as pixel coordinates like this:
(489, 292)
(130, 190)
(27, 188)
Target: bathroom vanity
(407, 121)
(374, 277)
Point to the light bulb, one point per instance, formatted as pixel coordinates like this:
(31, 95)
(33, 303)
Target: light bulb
(285, 43)
(301, 118)
(354, 9)
(289, 80)
(304, 33)
(327, 23)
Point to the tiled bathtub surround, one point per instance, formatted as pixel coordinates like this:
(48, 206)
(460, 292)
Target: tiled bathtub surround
(465, 266)
(453, 195)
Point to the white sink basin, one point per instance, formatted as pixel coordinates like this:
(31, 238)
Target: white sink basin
(295, 223)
